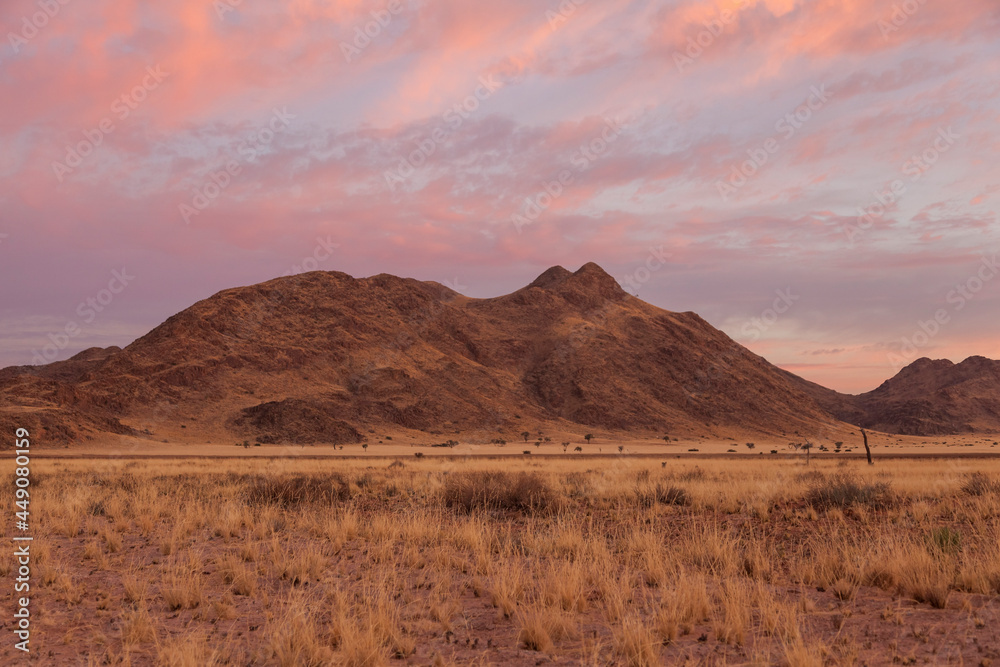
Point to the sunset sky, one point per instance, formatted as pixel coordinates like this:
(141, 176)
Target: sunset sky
(193, 146)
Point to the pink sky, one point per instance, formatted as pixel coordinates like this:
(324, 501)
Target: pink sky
(413, 152)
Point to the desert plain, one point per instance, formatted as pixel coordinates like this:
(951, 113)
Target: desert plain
(406, 557)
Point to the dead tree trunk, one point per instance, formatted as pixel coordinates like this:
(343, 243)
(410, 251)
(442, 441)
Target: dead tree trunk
(867, 448)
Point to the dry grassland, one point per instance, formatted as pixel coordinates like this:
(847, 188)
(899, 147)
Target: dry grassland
(438, 562)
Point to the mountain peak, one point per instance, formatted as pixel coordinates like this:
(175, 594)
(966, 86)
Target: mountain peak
(550, 277)
(584, 287)
(592, 269)
(592, 277)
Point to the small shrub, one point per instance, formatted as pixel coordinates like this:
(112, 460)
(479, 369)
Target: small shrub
(293, 490)
(979, 484)
(499, 491)
(662, 494)
(693, 475)
(946, 540)
(844, 490)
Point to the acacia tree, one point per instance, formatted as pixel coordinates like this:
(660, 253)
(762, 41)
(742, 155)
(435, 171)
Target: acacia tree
(588, 437)
(525, 434)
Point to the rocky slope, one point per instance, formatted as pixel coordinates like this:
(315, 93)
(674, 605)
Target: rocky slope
(928, 397)
(323, 357)
(327, 358)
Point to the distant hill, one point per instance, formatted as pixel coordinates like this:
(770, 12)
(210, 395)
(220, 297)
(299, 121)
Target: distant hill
(928, 397)
(323, 357)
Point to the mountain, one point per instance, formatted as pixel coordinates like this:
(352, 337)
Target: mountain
(928, 397)
(324, 357)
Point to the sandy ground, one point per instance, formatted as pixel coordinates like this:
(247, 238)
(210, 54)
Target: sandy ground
(882, 445)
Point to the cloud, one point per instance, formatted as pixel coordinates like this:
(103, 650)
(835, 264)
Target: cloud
(559, 81)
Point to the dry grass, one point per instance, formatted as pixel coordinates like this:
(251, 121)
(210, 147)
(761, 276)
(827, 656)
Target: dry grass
(494, 562)
(497, 490)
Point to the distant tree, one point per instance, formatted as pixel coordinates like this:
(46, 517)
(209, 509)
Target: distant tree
(578, 448)
(525, 434)
(621, 448)
(666, 438)
(364, 446)
(588, 437)
(750, 445)
(538, 444)
(565, 446)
